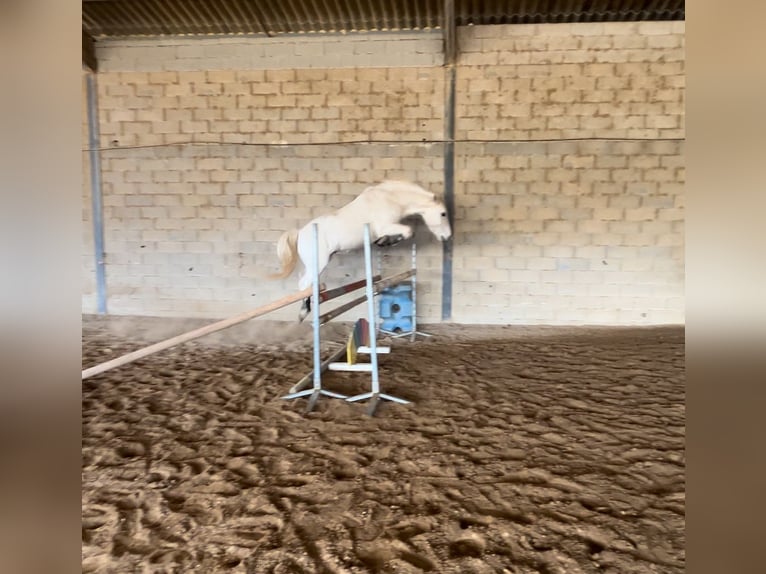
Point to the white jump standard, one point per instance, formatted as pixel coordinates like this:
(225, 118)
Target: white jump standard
(374, 393)
(316, 390)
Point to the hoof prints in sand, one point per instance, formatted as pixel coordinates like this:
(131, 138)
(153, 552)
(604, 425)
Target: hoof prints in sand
(521, 455)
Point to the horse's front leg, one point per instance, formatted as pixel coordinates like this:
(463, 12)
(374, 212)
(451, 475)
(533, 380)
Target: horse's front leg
(392, 234)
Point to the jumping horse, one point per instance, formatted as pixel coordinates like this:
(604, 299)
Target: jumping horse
(383, 206)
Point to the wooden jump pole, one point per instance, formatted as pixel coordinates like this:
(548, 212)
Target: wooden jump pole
(196, 333)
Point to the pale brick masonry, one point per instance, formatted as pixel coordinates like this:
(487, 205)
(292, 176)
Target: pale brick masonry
(570, 231)
(546, 232)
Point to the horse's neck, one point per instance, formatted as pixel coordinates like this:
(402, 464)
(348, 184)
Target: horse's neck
(416, 207)
(413, 200)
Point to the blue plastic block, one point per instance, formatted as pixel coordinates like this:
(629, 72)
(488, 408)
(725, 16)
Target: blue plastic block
(396, 308)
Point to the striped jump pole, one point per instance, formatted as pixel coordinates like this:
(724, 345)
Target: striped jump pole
(378, 286)
(329, 294)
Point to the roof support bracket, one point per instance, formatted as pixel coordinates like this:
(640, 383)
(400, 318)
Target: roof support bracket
(89, 52)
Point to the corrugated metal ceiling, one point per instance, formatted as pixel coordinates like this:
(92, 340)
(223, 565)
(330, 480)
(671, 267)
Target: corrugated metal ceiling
(112, 18)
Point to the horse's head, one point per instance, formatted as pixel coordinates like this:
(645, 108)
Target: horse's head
(435, 217)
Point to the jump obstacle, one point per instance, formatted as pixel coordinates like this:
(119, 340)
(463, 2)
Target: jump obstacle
(361, 340)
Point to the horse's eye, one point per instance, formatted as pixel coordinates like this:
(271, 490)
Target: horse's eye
(444, 214)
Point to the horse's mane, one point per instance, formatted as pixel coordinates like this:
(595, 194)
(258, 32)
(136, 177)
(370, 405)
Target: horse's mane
(409, 187)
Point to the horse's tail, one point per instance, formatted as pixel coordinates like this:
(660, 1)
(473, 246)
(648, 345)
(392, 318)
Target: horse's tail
(287, 252)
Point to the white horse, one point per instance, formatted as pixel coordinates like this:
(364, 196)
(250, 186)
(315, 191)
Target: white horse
(383, 206)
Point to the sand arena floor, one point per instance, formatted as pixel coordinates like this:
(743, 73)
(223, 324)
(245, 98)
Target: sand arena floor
(525, 450)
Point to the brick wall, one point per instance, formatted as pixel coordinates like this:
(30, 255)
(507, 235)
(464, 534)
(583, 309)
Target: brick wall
(564, 232)
(271, 106)
(570, 231)
(191, 230)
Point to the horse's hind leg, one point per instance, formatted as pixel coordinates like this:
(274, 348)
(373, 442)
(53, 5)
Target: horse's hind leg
(305, 309)
(392, 234)
(306, 254)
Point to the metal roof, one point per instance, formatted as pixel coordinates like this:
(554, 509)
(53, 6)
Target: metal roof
(121, 18)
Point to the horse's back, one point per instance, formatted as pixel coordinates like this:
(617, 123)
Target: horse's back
(375, 203)
(402, 192)
(386, 201)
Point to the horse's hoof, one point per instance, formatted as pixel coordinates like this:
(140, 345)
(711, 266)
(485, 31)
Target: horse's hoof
(389, 240)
